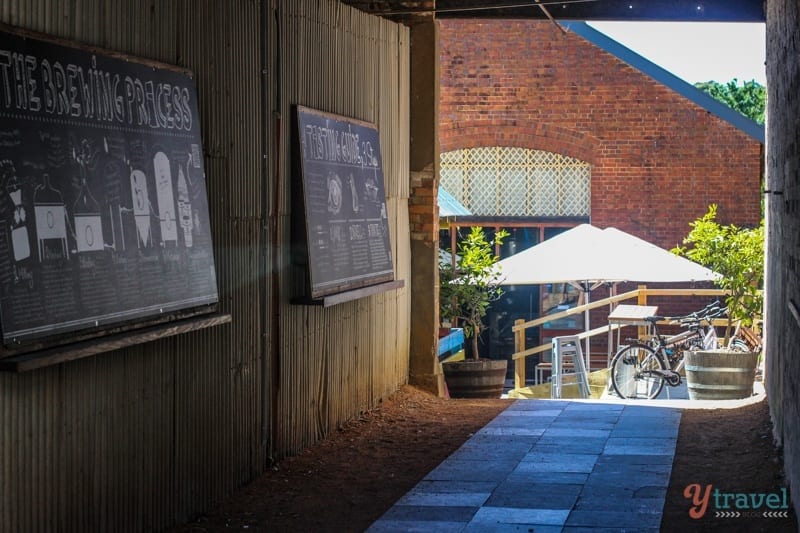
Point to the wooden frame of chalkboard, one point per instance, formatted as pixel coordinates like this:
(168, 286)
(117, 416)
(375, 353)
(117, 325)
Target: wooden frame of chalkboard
(341, 238)
(104, 224)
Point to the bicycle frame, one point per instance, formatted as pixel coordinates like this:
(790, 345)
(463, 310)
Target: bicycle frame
(685, 340)
(642, 367)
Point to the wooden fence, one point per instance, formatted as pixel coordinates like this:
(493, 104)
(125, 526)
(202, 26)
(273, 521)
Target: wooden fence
(640, 294)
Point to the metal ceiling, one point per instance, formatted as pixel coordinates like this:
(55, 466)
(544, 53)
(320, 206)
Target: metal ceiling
(661, 10)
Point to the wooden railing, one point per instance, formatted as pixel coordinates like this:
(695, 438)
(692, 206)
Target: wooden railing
(641, 294)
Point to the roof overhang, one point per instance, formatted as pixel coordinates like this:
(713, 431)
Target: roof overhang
(626, 10)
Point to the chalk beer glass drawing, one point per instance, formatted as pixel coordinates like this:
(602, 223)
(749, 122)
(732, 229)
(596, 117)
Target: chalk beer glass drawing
(19, 229)
(166, 199)
(185, 209)
(50, 214)
(141, 208)
(88, 224)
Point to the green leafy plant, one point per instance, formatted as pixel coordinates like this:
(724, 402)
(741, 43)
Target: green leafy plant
(469, 285)
(749, 98)
(737, 254)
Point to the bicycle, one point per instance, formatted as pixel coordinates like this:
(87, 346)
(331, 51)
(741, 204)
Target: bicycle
(640, 369)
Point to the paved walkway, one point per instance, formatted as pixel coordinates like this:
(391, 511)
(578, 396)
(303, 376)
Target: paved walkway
(550, 465)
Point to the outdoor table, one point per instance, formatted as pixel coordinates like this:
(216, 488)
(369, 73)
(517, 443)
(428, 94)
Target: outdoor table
(629, 315)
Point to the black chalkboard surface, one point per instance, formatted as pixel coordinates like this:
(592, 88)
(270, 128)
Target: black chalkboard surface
(103, 209)
(347, 230)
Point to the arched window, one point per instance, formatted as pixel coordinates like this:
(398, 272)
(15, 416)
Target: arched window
(519, 182)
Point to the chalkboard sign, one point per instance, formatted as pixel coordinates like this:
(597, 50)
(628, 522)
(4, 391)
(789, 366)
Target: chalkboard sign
(103, 209)
(347, 230)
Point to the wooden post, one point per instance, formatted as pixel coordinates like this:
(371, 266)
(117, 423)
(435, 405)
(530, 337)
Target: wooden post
(642, 300)
(519, 364)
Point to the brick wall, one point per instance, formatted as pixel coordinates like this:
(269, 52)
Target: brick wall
(658, 160)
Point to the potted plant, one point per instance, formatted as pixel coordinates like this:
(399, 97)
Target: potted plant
(737, 255)
(468, 284)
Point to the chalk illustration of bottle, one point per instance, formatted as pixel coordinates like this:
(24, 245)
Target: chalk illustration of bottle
(88, 224)
(354, 194)
(19, 230)
(166, 199)
(141, 208)
(50, 214)
(185, 209)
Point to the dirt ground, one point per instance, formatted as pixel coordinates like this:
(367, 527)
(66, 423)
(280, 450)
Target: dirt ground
(352, 477)
(733, 451)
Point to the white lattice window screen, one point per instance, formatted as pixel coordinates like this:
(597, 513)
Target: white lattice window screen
(506, 181)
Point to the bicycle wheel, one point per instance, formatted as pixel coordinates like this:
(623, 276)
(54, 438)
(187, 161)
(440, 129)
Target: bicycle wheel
(631, 372)
(738, 345)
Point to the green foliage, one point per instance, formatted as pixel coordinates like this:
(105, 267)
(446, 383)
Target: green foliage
(749, 99)
(737, 254)
(467, 290)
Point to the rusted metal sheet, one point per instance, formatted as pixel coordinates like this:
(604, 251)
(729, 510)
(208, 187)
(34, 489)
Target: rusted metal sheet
(336, 362)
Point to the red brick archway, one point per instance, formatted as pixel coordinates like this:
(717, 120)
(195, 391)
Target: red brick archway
(538, 136)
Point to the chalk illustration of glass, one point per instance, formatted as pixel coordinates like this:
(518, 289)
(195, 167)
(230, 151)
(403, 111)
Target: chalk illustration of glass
(166, 199)
(185, 209)
(19, 231)
(354, 194)
(88, 224)
(141, 208)
(51, 217)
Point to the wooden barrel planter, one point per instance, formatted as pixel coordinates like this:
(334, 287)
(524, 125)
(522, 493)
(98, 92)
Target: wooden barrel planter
(720, 374)
(483, 378)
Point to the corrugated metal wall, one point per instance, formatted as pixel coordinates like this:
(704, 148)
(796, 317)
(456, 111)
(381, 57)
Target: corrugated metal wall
(338, 361)
(140, 438)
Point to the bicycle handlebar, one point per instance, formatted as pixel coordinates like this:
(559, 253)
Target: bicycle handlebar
(708, 313)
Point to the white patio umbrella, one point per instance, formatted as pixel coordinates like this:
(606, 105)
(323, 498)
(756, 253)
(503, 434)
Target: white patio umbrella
(640, 260)
(576, 255)
(586, 256)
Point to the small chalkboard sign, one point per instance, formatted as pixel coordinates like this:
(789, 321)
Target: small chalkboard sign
(346, 223)
(103, 210)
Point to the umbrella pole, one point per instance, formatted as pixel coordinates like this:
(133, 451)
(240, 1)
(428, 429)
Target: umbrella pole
(612, 291)
(587, 291)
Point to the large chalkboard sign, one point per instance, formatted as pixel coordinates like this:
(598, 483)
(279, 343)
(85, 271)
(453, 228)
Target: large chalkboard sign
(103, 209)
(347, 230)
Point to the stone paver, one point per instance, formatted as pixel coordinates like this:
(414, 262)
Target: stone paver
(550, 466)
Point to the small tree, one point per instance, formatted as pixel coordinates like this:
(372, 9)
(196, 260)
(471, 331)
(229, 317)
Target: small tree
(467, 289)
(749, 98)
(737, 254)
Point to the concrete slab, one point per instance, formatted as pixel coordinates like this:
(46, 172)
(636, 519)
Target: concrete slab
(620, 519)
(548, 465)
(487, 451)
(577, 529)
(478, 470)
(635, 459)
(425, 513)
(444, 499)
(490, 516)
(602, 481)
(513, 430)
(538, 495)
(568, 478)
(640, 446)
(411, 526)
(510, 528)
(579, 463)
(576, 432)
(540, 457)
(440, 487)
(604, 503)
(589, 445)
